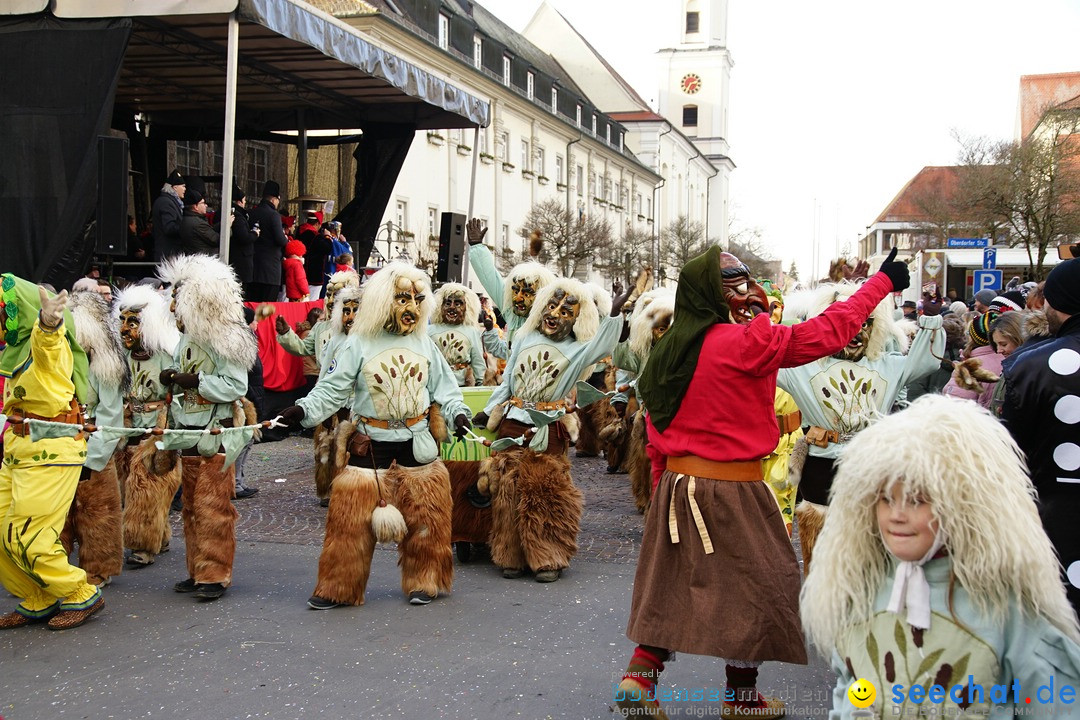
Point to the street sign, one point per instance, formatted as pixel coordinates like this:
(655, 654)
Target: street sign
(986, 280)
(989, 258)
(933, 266)
(967, 242)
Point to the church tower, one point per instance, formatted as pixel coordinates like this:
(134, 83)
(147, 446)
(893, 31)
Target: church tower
(695, 76)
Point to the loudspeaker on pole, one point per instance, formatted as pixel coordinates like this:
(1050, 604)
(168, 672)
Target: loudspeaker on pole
(112, 205)
(451, 247)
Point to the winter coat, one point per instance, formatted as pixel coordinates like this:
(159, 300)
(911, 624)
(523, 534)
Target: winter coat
(296, 284)
(241, 244)
(165, 214)
(196, 235)
(318, 250)
(269, 246)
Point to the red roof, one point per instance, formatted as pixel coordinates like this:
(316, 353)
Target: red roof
(1039, 93)
(908, 204)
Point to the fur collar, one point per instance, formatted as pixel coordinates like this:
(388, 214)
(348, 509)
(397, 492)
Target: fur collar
(98, 335)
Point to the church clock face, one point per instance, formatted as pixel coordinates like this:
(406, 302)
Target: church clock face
(691, 83)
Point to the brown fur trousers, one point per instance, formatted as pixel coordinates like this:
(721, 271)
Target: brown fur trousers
(209, 518)
(638, 463)
(422, 494)
(331, 443)
(94, 523)
(469, 523)
(536, 510)
(153, 476)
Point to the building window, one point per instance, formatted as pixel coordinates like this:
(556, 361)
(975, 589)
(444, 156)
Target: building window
(504, 236)
(554, 99)
(607, 189)
(637, 203)
(477, 51)
(524, 154)
(689, 115)
(580, 180)
(444, 32)
(257, 160)
(483, 140)
(402, 215)
(607, 133)
(621, 142)
(503, 146)
(506, 69)
(693, 22)
(540, 162)
(187, 157)
(530, 80)
(648, 207)
(559, 168)
(433, 222)
(578, 116)
(594, 125)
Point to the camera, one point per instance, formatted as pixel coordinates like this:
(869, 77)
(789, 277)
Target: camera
(1068, 252)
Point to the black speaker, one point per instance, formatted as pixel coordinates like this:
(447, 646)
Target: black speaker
(112, 225)
(451, 247)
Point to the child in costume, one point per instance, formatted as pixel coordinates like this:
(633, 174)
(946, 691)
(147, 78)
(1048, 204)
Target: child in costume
(149, 336)
(396, 381)
(455, 332)
(46, 371)
(296, 284)
(94, 520)
(933, 569)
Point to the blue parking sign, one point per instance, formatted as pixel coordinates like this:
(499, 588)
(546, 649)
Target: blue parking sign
(986, 280)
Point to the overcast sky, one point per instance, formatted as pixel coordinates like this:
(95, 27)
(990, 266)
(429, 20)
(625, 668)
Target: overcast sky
(836, 104)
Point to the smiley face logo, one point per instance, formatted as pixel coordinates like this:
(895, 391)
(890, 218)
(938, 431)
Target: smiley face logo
(862, 693)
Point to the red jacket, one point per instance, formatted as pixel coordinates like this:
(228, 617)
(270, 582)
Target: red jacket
(296, 284)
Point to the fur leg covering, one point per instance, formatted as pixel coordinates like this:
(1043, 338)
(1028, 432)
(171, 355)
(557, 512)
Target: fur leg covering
(810, 518)
(146, 510)
(637, 463)
(210, 534)
(345, 562)
(591, 421)
(468, 523)
(498, 476)
(324, 465)
(98, 526)
(189, 477)
(549, 510)
(423, 496)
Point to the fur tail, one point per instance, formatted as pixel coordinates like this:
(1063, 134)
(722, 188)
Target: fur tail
(810, 518)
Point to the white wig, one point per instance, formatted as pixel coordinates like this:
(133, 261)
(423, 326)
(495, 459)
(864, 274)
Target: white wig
(588, 319)
(209, 304)
(532, 272)
(973, 475)
(156, 322)
(472, 302)
(348, 292)
(97, 333)
(884, 329)
(645, 315)
(602, 298)
(341, 279)
(377, 304)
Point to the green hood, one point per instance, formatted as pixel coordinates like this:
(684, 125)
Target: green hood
(699, 304)
(21, 306)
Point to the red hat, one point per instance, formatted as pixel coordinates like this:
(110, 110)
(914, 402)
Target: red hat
(295, 247)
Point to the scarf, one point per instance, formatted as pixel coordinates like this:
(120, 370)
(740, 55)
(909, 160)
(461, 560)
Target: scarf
(911, 590)
(21, 306)
(699, 304)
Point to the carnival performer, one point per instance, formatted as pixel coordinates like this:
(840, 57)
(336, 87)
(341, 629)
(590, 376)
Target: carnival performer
(911, 585)
(596, 417)
(1041, 410)
(149, 335)
(717, 574)
(327, 438)
(46, 374)
(649, 321)
(95, 519)
(515, 295)
(399, 386)
(841, 394)
(209, 378)
(457, 309)
(536, 508)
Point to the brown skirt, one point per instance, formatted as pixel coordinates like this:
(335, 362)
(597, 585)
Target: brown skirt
(742, 601)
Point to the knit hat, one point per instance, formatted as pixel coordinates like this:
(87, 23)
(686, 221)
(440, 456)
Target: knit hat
(959, 307)
(175, 178)
(979, 329)
(1062, 289)
(192, 197)
(1012, 300)
(985, 296)
(295, 247)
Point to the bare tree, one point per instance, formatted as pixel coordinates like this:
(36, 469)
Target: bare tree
(571, 240)
(747, 244)
(624, 259)
(1027, 192)
(680, 242)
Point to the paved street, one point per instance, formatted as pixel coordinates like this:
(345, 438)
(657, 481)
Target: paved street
(495, 648)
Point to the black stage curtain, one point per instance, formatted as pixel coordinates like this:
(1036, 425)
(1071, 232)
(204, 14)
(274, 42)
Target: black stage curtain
(56, 97)
(379, 156)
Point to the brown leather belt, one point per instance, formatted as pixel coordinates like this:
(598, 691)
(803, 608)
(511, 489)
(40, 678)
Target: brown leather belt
(394, 424)
(542, 406)
(821, 437)
(741, 471)
(152, 406)
(73, 416)
(790, 422)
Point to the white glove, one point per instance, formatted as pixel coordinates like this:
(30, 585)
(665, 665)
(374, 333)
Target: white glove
(52, 308)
